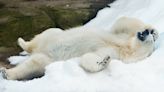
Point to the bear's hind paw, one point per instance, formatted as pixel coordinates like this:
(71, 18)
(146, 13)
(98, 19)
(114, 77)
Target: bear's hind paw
(3, 72)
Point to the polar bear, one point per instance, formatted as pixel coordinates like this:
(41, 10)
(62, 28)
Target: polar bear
(129, 40)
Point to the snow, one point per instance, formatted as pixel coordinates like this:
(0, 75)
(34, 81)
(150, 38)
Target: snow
(144, 76)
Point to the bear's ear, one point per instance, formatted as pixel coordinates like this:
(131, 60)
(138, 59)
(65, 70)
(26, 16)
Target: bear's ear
(123, 17)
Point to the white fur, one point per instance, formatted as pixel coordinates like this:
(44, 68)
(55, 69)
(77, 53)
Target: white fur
(92, 46)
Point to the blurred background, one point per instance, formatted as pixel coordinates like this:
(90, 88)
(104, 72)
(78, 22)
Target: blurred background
(26, 18)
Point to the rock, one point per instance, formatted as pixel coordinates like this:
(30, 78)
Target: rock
(26, 18)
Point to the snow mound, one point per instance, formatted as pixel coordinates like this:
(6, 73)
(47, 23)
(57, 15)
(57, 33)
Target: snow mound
(144, 76)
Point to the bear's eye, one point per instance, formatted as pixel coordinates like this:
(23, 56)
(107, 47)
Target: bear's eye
(152, 31)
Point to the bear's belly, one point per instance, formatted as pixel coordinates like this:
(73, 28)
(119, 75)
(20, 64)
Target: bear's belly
(66, 49)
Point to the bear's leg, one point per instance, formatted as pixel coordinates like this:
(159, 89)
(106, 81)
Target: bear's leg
(23, 44)
(93, 63)
(29, 46)
(33, 67)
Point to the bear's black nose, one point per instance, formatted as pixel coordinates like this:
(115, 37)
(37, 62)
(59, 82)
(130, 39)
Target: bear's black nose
(146, 32)
(140, 36)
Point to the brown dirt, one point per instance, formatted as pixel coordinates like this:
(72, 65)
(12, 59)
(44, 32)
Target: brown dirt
(4, 54)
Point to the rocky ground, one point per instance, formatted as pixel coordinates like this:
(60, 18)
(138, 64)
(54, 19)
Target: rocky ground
(26, 18)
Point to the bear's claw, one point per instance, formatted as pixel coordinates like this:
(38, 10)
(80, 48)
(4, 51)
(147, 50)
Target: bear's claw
(105, 61)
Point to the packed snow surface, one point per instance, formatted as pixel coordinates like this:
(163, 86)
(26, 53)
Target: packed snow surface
(144, 76)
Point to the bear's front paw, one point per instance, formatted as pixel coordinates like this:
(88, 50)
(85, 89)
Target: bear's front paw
(104, 62)
(94, 63)
(3, 72)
